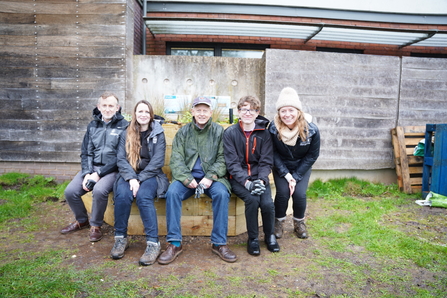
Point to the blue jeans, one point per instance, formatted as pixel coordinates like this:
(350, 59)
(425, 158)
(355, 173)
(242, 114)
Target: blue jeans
(146, 194)
(220, 197)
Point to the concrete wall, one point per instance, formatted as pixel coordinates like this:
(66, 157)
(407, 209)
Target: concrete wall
(157, 76)
(357, 99)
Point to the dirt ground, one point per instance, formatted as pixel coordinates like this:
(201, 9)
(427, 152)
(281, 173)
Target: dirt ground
(197, 254)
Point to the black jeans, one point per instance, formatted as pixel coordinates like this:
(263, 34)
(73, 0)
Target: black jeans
(252, 204)
(298, 197)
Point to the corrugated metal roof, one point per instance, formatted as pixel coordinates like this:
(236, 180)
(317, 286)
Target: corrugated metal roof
(232, 27)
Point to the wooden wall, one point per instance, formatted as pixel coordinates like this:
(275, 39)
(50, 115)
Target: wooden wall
(56, 58)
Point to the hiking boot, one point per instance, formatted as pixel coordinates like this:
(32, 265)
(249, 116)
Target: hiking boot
(75, 226)
(300, 229)
(279, 230)
(118, 249)
(95, 234)
(150, 254)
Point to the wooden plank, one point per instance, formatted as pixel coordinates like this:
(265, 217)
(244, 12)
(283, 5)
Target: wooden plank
(397, 158)
(406, 187)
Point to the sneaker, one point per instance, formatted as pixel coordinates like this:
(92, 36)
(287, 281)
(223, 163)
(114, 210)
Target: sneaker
(300, 229)
(150, 254)
(118, 249)
(279, 230)
(95, 234)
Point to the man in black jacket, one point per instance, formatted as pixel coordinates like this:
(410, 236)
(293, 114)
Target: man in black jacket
(248, 155)
(98, 161)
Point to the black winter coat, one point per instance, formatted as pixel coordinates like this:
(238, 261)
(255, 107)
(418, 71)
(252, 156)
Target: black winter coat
(100, 144)
(249, 158)
(298, 159)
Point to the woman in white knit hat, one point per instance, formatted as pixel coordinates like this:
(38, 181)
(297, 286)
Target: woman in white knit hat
(296, 147)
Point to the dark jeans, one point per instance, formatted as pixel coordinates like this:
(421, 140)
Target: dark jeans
(123, 198)
(298, 197)
(252, 205)
(100, 198)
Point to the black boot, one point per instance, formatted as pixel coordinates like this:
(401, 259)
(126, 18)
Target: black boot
(272, 244)
(253, 247)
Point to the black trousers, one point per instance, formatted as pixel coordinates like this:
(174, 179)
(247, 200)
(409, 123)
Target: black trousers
(252, 205)
(298, 197)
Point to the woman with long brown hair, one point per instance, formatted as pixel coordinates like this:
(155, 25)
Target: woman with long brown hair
(141, 156)
(296, 146)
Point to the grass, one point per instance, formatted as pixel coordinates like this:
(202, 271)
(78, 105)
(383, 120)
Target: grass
(361, 246)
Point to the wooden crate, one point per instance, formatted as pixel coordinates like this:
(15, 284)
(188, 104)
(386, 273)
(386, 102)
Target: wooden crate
(409, 168)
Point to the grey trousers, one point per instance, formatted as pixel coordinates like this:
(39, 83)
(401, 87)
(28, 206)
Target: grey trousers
(100, 195)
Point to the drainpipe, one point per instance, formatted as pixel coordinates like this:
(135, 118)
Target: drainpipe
(143, 37)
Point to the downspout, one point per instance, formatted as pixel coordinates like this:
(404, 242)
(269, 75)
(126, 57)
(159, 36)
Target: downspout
(143, 37)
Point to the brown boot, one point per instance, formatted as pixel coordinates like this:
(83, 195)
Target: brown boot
(95, 234)
(279, 230)
(300, 229)
(75, 226)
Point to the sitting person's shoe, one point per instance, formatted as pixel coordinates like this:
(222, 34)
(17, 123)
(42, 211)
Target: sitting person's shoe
(253, 247)
(170, 254)
(75, 226)
(300, 229)
(150, 254)
(118, 249)
(279, 230)
(95, 234)
(272, 244)
(224, 252)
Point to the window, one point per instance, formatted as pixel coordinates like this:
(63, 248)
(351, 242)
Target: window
(216, 49)
(339, 50)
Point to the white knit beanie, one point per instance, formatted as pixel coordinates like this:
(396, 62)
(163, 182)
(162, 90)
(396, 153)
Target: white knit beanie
(288, 98)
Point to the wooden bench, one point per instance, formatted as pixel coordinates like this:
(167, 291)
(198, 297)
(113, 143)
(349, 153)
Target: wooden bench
(197, 214)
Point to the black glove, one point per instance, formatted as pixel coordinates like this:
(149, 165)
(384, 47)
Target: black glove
(199, 190)
(89, 184)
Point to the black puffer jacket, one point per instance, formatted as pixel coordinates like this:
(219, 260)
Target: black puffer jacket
(298, 159)
(156, 144)
(100, 144)
(249, 158)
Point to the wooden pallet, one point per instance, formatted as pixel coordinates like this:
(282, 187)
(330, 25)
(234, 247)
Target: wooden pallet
(409, 168)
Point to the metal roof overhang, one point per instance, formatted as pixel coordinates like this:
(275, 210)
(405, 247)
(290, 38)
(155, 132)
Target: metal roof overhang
(231, 27)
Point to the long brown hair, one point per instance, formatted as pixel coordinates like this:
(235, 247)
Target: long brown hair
(301, 122)
(133, 142)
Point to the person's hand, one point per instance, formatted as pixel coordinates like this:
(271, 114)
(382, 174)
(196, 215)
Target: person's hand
(255, 187)
(94, 176)
(292, 182)
(206, 183)
(134, 186)
(193, 184)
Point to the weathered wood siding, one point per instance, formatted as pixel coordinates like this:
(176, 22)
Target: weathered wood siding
(357, 99)
(56, 58)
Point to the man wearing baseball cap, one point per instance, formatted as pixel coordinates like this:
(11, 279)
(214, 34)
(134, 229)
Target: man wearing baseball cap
(198, 166)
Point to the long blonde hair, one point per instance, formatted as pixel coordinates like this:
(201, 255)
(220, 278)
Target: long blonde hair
(303, 127)
(133, 142)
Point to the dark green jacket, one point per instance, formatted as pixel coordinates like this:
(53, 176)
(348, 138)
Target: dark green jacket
(189, 143)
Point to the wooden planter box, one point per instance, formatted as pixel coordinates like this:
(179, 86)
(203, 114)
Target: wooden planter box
(197, 214)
